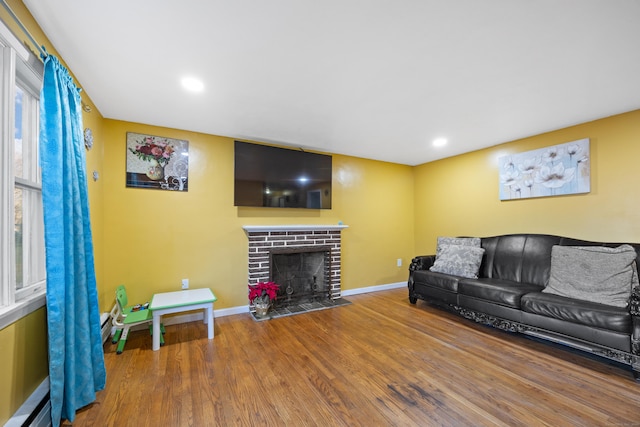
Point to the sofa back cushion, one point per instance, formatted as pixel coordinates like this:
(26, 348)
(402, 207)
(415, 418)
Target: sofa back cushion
(524, 258)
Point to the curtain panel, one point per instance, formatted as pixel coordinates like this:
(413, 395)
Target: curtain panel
(76, 358)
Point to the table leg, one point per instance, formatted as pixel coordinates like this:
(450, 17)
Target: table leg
(156, 332)
(209, 311)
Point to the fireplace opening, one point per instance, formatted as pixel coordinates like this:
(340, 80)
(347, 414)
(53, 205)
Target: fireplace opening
(303, 274)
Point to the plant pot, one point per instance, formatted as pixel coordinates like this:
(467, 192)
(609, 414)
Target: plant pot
(261, 309)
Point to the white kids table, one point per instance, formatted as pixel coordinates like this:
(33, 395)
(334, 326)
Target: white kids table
(175, 302)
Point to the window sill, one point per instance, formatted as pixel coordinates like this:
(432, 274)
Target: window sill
(17, 311)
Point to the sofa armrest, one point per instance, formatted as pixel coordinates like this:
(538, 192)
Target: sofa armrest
(634, 309)
(422, 262)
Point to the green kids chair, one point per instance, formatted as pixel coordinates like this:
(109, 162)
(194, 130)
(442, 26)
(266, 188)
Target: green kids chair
(123, 318)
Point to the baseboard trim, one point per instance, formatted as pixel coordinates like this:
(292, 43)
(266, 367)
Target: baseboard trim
(376, 288)
(194, 317)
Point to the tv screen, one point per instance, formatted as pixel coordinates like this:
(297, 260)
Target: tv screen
(275, 177)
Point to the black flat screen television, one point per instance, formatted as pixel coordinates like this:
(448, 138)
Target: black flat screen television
(274, 177)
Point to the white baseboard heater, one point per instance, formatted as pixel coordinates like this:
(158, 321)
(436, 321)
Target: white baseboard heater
(36, 411)
(105, 325)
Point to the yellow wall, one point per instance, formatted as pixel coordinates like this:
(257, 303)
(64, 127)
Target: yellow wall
(94, 121)
(23, 359)
(459, 196)
(153, 238)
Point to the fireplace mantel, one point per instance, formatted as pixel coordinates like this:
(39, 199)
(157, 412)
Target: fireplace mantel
(298, 227)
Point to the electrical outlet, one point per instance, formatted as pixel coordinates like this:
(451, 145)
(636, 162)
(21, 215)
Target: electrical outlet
(185, 283)
(399, 262)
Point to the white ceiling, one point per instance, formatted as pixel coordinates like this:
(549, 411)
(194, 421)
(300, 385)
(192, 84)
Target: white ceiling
(379, 79)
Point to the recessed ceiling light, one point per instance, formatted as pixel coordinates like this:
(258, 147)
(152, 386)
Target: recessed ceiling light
(439, 142)
(192, 84)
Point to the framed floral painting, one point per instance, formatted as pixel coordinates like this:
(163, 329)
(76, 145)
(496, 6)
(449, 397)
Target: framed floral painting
(553, 171)
(157, 162)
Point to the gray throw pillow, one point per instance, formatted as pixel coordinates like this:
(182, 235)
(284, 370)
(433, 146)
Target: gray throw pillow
(466, 241)
(593, 273)
(459, 260)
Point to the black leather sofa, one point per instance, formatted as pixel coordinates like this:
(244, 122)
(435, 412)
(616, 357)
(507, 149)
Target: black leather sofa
(508, 295)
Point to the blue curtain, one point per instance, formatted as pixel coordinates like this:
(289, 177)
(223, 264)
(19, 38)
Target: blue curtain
(76, 358)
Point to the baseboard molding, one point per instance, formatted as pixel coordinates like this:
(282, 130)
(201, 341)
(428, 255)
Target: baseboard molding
(231, 311)
(194, 317)
(376, 288)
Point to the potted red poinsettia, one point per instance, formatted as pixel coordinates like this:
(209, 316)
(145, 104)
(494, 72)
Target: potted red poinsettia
(261, 295)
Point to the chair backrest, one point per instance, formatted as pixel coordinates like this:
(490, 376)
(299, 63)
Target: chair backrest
(117, 313)
(121, 297)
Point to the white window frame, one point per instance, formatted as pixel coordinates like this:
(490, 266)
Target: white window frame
(17, 66)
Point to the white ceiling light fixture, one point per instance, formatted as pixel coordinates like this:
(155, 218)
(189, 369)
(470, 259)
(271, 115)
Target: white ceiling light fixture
(440, 142)
(192, 84)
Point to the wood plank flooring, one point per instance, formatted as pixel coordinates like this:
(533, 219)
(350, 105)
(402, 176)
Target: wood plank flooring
(377, 362)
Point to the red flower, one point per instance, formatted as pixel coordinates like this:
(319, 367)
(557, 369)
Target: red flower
(154, 148)
(263, 292)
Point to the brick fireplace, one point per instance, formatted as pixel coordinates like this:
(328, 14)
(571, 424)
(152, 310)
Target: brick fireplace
(305, 260)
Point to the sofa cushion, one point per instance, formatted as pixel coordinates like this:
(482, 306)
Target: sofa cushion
(577, 311)
(593, 273)
(503, 292)
(522, 258)
(459, 260)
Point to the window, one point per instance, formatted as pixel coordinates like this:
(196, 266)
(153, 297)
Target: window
(22, 260)
(27, 199)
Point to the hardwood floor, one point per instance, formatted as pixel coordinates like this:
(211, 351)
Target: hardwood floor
(377, 362)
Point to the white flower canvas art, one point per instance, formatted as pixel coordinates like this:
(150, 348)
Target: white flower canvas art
(553, 171)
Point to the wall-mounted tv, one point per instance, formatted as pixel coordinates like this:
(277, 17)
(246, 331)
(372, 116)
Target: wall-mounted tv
(274, 177)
